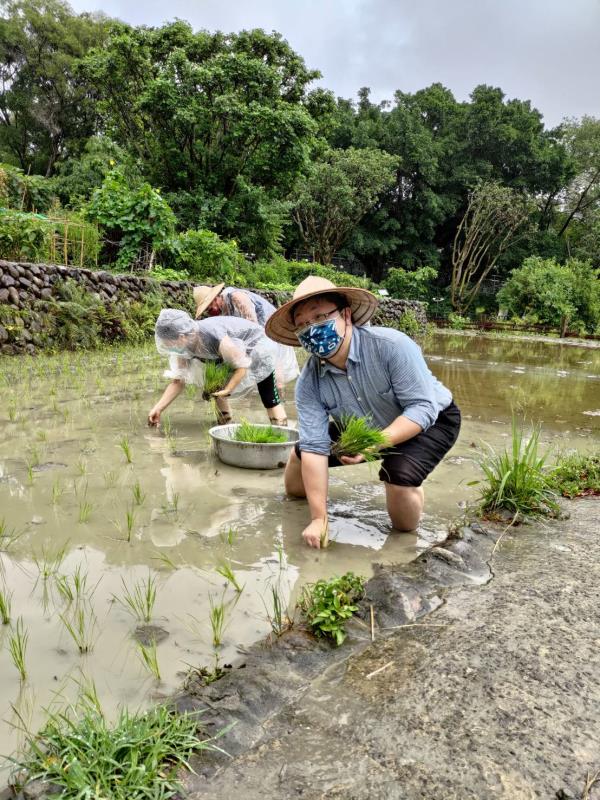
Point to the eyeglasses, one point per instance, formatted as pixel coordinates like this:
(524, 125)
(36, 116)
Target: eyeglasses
(317, 319)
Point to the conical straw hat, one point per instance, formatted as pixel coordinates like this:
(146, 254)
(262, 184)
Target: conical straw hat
(280, 326)
(204, 295)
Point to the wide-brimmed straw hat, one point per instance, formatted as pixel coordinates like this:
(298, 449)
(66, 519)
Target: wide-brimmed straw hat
(280, 326)
(204, 295)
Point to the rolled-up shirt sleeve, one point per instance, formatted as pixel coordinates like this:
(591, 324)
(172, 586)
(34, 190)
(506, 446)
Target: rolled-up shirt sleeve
(413, 384)
(313, 418)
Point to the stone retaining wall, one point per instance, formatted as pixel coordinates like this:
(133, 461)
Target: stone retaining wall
(27, 290)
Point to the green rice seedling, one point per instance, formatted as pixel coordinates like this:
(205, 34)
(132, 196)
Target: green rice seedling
(224, 569)
(139, 602)
(277, 614)
(64, 588)
(515, 480)
(49, 563)
(258, 434)
(126, 448)
(217, 617)
(111, 478)
(164, 559)
(85, 510)
(30, 474)
(149, 658)
(327, 604)
(17, 645)
(216, 377)
(41, 436)
(81, 628)
(12, 410)
(57, 491)
(138, 494)
(129, 521)
(229, 536)
(172, 505)
(576, 474)
(81, 467)
(358, 437)
(8, 536)
(166, 425)
(140, 756)
(33, 456)
(5, 606)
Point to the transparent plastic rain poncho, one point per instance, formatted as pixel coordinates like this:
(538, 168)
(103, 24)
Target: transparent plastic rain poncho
(236, 341)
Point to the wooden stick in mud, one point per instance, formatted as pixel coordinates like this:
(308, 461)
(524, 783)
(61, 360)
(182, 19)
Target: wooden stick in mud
(385, 666)
(372, 624)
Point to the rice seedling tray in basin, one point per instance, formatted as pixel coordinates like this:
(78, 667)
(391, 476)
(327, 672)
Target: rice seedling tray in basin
(249, 455)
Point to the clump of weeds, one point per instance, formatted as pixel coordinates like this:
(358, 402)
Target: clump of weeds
(328, 604)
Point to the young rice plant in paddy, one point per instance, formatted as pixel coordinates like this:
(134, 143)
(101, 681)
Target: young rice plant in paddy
(216, 377)
(358, 437)
(258, 434)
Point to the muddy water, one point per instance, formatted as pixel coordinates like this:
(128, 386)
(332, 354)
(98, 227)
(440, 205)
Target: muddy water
(170, 511)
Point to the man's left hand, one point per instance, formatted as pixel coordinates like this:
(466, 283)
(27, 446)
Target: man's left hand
(222, 393)
(352, 459)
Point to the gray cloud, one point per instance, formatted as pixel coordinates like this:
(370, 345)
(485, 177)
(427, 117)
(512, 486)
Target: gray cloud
(545, 51)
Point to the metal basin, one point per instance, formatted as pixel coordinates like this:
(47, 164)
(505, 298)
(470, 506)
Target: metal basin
(249, 455)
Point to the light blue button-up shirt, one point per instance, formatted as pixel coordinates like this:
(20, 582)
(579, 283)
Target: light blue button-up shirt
(386, 376)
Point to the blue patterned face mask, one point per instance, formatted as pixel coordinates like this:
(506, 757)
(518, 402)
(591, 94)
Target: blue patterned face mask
(321, 339)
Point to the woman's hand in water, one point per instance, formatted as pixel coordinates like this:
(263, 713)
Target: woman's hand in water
(154, 418)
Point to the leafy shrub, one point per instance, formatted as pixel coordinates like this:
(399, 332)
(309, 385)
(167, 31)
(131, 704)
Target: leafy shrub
(24, 237)
(408, 323)
(206, 257)
(168, 274)
(135, 218)
(327, 604)
(457, 322)
(25, 192)
(411, 285)
(577, 474)
(31, 237)
(561, 295)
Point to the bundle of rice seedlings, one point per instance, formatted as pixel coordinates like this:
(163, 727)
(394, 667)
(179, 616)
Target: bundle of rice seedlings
(259, 434)
(216, 377)
(358, 437)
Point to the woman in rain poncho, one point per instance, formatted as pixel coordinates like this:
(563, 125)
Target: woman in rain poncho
(237, 342)
(231, 301)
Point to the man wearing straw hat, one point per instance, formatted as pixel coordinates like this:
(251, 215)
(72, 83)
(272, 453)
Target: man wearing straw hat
(364, 371)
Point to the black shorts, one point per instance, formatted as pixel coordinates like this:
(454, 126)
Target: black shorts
(409, 463)
(267, 389)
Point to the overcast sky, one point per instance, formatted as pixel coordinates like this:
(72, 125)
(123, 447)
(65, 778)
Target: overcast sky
(546, 51)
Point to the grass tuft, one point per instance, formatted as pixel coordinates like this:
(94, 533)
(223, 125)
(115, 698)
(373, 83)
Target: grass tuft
(327, 604)
(216, 377)
(577, 475)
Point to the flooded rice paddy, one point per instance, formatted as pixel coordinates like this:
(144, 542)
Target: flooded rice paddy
(99, 513)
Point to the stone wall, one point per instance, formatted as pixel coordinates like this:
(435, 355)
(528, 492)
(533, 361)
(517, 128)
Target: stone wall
(27, 292)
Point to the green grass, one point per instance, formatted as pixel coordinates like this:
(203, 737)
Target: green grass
(358, 437)
(259, 434)
(216, 377)
(327, 604)
(17, 646)
(516, 480)
(577, 475)
(139, 602)
(136, 759)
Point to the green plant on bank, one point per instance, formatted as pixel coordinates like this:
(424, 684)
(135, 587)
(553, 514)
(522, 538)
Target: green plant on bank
(149, 657)
(216, 377)
(327, 604)
(81, 628)
(8, 536)
(408, 323)
(576, 475)
(457, 322)
(516, 480)
(224, 569)
(139, 758)
(258, 434)
(17, 645)
(5, 606)
(139, 602)
(358, 437)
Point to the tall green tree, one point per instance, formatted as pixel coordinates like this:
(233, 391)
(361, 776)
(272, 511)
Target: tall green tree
(336, 193)
(46, 110)
(217, 121)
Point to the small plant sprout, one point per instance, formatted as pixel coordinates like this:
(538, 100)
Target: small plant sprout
(57, 491)
(217, 617)
(64, 588)
(224, 569)
(149, 657)
(12, 410)
(8, 536)
(139, 602)
(164, 559)
(49, 563)
(5, 606)
(138, 494)
(172, 504)
(111, 478)
(277, 614)
(126, 448)
(129, 521)
(85, 510)
(81, 628)
(229, 536)
(17, 645)
(81, 467)
(167, 426)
